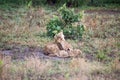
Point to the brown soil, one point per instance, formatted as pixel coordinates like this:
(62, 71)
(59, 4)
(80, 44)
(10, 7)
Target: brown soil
(19, 52)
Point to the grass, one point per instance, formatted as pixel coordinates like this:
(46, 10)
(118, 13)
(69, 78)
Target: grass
(26, 27)
(35, 68)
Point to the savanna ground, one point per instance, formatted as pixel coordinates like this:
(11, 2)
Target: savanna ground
(23, 36)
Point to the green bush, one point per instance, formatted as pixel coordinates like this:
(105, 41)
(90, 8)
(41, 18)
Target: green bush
(54, 26)
(71, 3)
(103, 2)
(66, 23)
(76, 3)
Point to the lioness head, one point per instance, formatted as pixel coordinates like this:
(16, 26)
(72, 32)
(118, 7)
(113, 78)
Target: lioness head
(59, 37)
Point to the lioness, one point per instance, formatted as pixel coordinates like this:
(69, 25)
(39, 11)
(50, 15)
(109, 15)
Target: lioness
(60, 47)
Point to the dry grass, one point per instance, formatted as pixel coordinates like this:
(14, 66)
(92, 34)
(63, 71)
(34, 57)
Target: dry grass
(27, 27)
(116, 64)
(33, 68)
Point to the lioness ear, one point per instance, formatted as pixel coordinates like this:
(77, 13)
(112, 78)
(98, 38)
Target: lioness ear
(61, 32)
